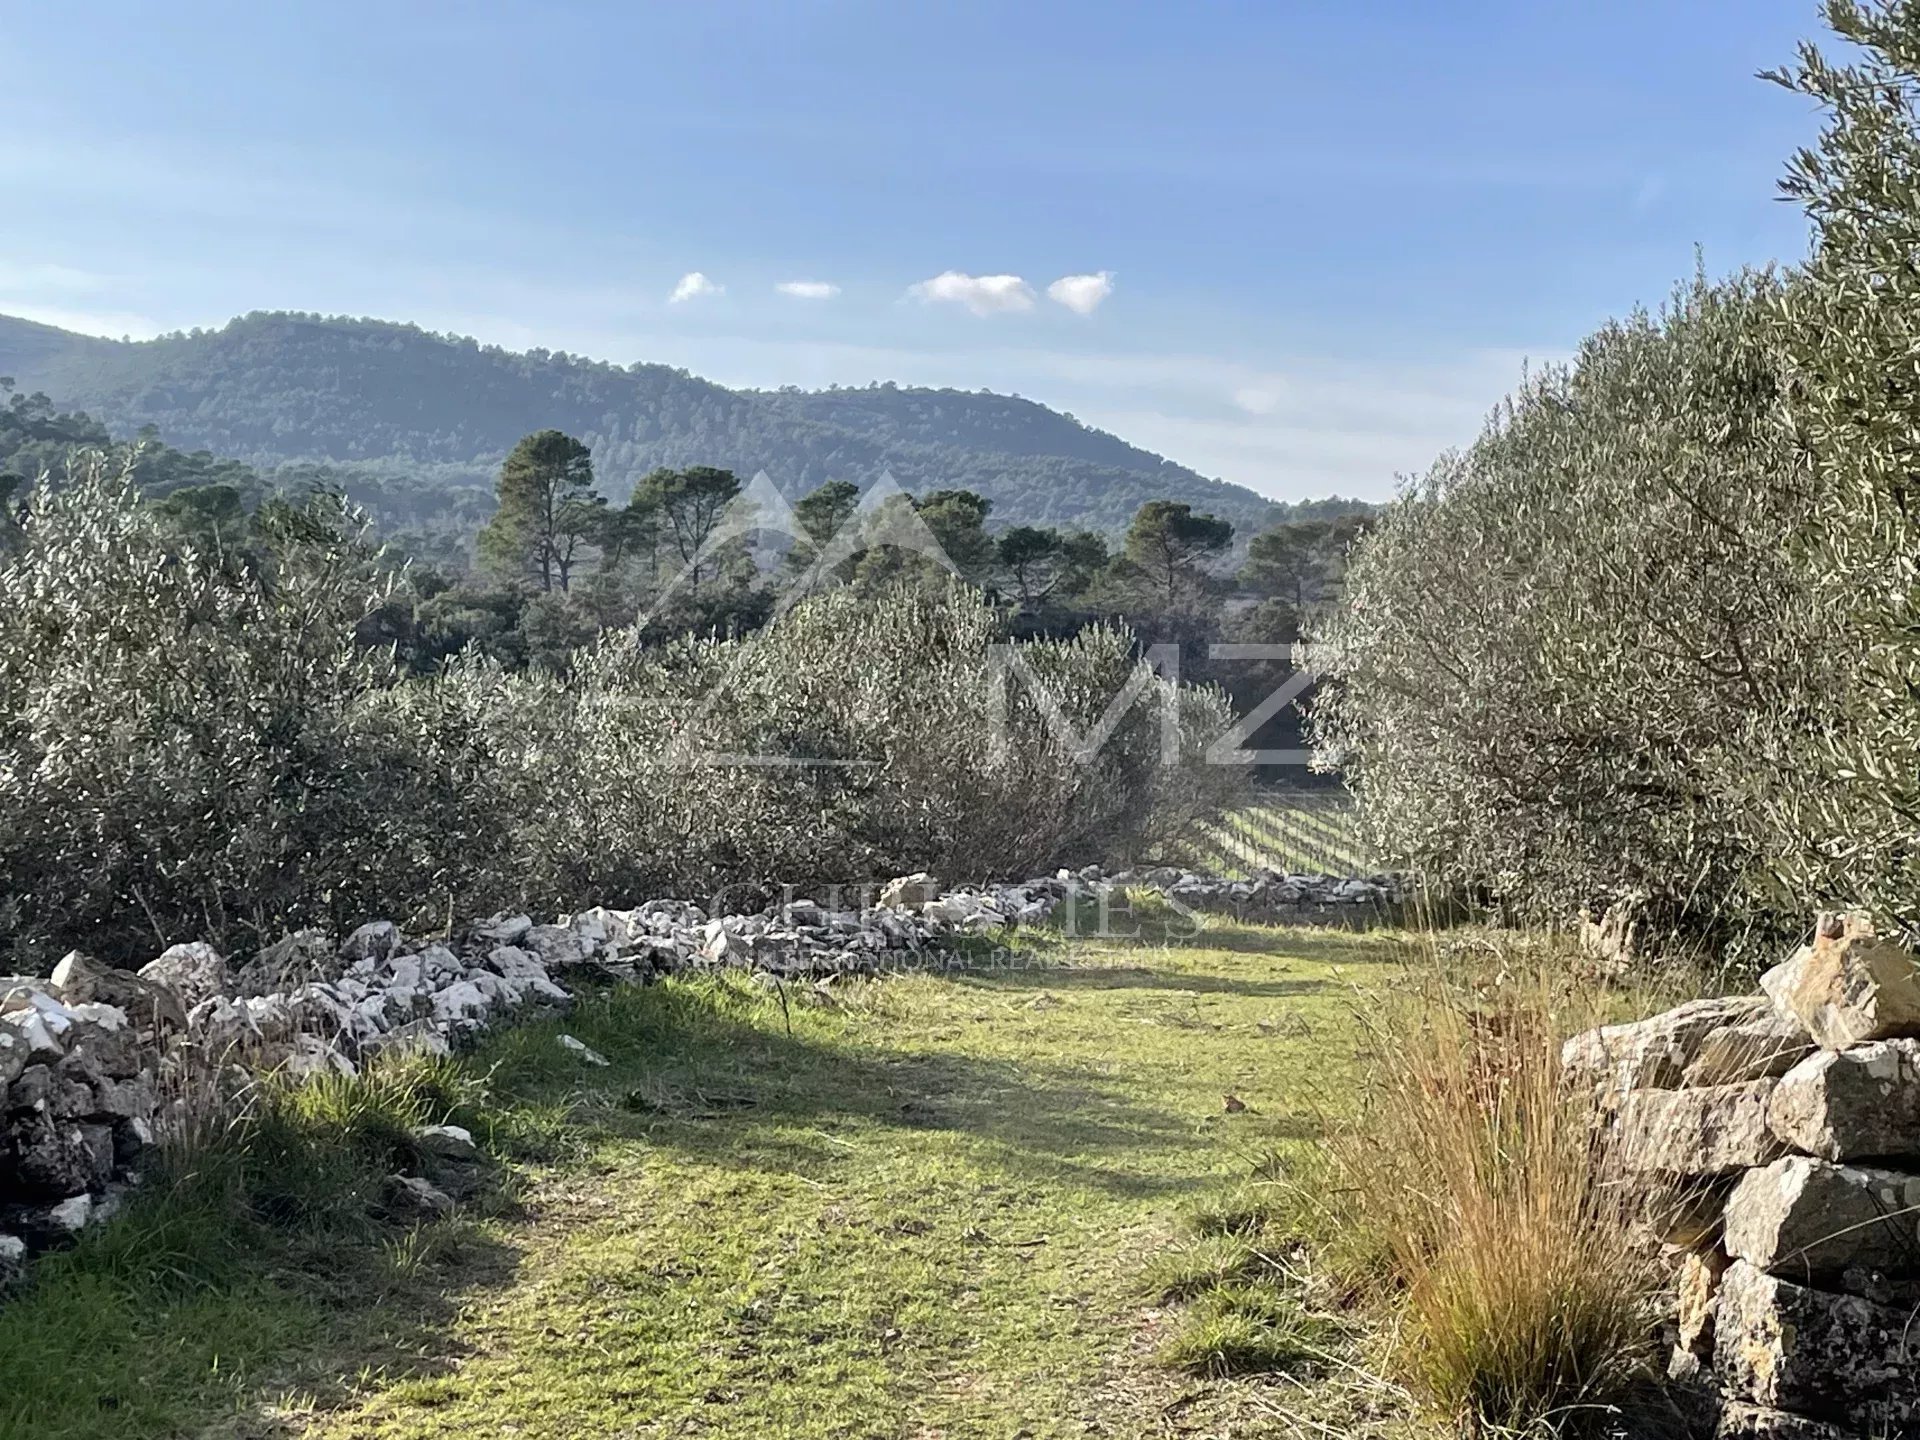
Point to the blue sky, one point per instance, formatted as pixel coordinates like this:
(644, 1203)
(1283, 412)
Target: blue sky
(1332, 232)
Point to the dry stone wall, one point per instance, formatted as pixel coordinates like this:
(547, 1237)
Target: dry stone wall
(95, 1061)
(1271, 896)
(1776, 1141)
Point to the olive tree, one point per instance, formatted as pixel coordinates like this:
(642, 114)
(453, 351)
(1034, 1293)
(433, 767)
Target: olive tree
(1574, 656)
(196, 745)
(1853, 331)
(198, 742)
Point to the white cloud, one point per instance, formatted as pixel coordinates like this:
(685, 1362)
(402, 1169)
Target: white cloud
(1082, 294)
(808, 289)
(1262, 399)
(693, 285)
(111, 324)
(982, 294)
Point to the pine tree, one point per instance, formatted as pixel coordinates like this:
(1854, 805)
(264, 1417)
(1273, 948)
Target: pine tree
(548, 511)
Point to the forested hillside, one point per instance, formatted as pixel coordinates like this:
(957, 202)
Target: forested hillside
(37, 438)
(443, 410)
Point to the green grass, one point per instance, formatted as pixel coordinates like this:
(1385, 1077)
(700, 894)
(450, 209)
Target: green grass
(1250, 1328)
(1185, 1271)
(1252, 1300)
(922, 1206)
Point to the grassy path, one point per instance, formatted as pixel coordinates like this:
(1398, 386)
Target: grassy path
(908, 1208)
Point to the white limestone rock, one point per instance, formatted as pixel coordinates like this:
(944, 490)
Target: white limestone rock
(195, 972)
(1651, 1054)
(42, 1031)
(909, 891)
(557, 946)
(375, 940)
(80, 979)
(288, 963)
(272, 1017)
(1812, 1220)
(416, 1037)
(439, 964)
(13, 1055)
(409, 1197)
(72, 1214)
(44, 1158)
(308, 1056)
(1838, 1358)
(1759, 1049)
(448, 1142)
(517, 964)
(504, 929)
(583, 1050)
(460, 1002)
(1849, 986)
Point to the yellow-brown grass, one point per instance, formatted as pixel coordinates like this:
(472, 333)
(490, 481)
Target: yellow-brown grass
(1484, 1189)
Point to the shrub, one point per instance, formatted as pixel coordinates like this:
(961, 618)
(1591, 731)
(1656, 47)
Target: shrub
(1657, 632)
(1577, 658)
(193, 743)
(853, 738)
(1852, 329)
(200, 743)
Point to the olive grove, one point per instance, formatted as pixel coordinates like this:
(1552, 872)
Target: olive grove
(1655, 635)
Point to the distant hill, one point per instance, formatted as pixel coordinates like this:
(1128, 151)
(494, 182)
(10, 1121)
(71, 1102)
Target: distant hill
(276, 389)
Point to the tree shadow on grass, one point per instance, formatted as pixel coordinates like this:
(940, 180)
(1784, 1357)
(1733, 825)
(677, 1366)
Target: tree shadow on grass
(1155, 927)
(142, 1341)
(1139, 977)
(140, 1332)
(711, 1075)
(1314, 944)
(737, 1092)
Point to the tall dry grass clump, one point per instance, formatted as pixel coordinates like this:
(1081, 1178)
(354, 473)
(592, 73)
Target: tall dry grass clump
(1486, 1193)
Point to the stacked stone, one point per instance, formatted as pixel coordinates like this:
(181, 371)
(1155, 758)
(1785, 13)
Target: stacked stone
(77, 1098)
(1781, 1135)
(1271, 895)
(804, 938)
(86, 1054)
